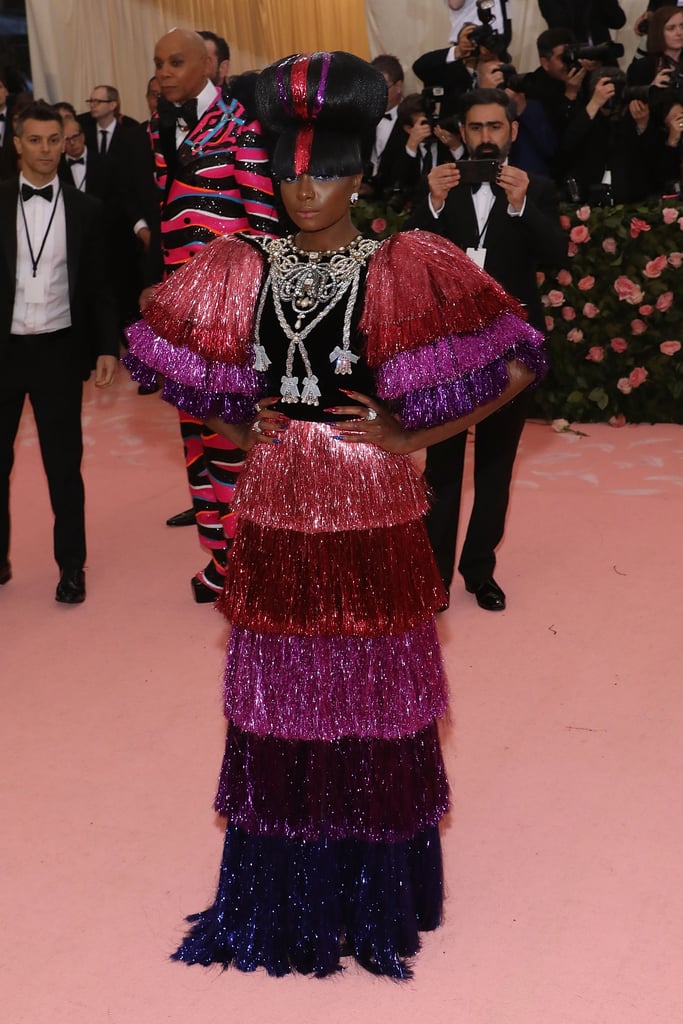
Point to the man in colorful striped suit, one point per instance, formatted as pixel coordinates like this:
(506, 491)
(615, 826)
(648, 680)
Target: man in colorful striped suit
(212, 171)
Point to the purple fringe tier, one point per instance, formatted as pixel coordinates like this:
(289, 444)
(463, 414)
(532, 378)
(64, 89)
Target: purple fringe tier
(352, 583)
(202, 405)
(455, 355)
(313, 688)
(289, 906)
(353, 486)
(445, 402)
(372, 789)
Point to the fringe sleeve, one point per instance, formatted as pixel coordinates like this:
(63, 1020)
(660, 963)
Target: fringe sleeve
(440, 331)
(198, 333)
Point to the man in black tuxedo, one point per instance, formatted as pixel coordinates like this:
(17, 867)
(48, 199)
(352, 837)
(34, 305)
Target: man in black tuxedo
(130, 195)
(511, 228)
(57, 322)
(79, 166)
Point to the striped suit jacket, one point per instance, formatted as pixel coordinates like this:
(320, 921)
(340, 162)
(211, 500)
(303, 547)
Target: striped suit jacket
(215, 183)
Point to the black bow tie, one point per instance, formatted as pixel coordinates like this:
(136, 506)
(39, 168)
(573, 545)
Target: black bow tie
(387, 117)
(71, 160)
(27, 192)
(187, 112)
(2, 117)
(169, 113)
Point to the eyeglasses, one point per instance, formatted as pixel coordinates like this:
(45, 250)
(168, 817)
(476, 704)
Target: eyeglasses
(92, 103)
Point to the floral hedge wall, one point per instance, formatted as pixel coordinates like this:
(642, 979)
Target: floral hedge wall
(614, 317)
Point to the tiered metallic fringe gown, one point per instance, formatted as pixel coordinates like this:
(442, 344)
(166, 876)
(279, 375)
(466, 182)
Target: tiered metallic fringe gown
(332, 782)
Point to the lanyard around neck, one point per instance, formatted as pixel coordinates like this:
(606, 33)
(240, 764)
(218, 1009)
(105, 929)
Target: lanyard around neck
(35, 260)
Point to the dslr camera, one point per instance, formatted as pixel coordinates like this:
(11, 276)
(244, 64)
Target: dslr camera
(484, 34)
(605, 53)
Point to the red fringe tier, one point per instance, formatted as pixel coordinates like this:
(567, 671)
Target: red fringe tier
(209, 304)
(352, 583)
(314, 483)
(421, 287)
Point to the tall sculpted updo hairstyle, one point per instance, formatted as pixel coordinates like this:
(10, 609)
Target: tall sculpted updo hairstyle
(320, 106)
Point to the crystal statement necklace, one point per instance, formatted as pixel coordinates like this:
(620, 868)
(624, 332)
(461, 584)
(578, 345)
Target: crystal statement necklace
(310, 284)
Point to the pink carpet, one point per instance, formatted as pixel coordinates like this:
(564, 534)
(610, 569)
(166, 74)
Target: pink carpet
(563, 850)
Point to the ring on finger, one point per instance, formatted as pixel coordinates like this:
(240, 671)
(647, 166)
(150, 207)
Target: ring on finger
(256, 427)
(372, 415)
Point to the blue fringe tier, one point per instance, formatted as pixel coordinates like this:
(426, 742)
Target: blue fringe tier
(287, 905)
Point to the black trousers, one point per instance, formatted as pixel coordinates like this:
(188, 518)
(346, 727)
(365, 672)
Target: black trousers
(495, 446)
(43, 367)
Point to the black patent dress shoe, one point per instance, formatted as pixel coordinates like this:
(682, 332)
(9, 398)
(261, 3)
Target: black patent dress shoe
(71, 587)
(185, 518)
(488, 594)
(203, 594)
(5, 573)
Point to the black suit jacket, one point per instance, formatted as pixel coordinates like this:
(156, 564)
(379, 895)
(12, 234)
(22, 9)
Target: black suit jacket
(93, 313)
(516, 247)
(95, 177)
(585, 18)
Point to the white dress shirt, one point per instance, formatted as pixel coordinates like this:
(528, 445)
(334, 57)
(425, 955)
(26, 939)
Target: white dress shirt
(206, 98)
(41, 303)
(79, 171)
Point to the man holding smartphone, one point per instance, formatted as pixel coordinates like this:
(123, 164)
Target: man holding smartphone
(509, 225)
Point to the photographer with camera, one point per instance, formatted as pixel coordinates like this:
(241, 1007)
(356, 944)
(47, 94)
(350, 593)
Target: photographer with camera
(454, 68)
(661, 67)
(415, 146)
(508, 222)
(611, 147)
(589, 20)
(463, 11)
(557, 84)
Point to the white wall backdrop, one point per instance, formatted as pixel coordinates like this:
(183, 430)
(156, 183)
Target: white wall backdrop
(76, 44)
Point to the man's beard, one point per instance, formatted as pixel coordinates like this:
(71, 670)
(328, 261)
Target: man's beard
(488, 151)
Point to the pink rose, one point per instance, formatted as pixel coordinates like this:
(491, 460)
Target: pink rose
(568, 313)
(628, 290)
(540, 278)
(637, 226)
(664, 301)
(646, 310)
(618, 344)
(655, 267)
(378, 225)
(556, 298)
(596, 354)
(676, 260)
(617, 421)
(670, 348)
(565, 222)
(580, 234)
(572, 249)
(669, 214)
(609, 245)
(586, 283)
(590, 311)
(564, 278)
(575, 335)
(637, 376)
(583, 212)
(549, 323)
(624, 385)
(638, 327)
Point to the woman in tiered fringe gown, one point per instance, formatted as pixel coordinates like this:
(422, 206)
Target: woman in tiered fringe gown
(330, 358)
